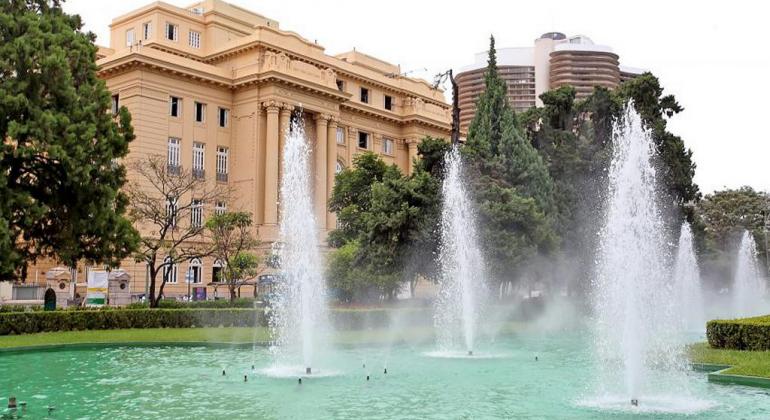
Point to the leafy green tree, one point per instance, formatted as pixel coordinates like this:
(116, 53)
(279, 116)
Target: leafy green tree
(388, 221)
(576, 162)
(59, 180)
(512, 186)
(725, 215)
(351, 196)
(677, 168)
(233, 242)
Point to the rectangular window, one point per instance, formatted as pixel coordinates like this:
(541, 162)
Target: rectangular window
(130, 37)
(172, 31)
(224, 116)
(175, 106)
(365, 95)
(220, 208)
(222, 155)
(195, 271)
(388, 102)
(200, 112)
(169, 271)
(363, 140)
(387, 146)
(146, 30)
(115, 104)
(196, 213)
(340, 135)
(195, 39)
(171, 212)
(174, 145)
(216, 272)
(340, 85)
(198, 163)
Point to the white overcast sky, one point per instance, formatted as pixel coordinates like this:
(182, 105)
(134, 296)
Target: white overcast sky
(714, 55)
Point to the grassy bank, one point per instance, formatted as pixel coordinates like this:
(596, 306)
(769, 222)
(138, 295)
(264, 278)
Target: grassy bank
(743, 362)
(237, 335)
(145, 335)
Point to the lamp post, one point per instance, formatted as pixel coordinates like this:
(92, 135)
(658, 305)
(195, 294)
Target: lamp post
(188, 278)
(765, 227)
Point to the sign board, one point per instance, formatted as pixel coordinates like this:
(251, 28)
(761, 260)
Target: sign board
(96, 294)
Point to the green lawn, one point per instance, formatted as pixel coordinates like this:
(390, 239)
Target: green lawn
(149, 335)
(210, 335)
(750, 363)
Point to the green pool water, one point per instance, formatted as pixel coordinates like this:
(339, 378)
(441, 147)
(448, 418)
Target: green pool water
(502, 380)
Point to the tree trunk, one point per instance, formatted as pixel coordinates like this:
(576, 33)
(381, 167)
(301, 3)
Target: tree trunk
(155, 299)
(151, 297)
(231, 286)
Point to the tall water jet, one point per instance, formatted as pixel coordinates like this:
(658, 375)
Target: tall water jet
(300, 315)
(463, 273)
(748, 286)
(632, 300)
(687, 283)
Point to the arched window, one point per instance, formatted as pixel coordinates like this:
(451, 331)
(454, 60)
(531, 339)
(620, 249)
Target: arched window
(340, 167)
(169, 270)
(216, 271)
(195, 270)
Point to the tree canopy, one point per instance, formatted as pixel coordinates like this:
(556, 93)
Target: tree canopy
(510, 182)
(725, 215)
(387, 223)
(59, 173)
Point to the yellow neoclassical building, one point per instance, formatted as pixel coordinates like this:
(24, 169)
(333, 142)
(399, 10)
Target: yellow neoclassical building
(213, 86)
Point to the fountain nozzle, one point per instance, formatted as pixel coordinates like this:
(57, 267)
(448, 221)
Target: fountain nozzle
(634, 402)
(11, 403)
(223, 372)
(299, 381)
(386, 371)
(308, 370)
(470, 352)
(245, 378)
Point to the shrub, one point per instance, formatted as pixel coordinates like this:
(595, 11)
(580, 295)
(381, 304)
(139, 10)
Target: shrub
(740, 334)
(120, 318)
(178, 304)
(39, 321)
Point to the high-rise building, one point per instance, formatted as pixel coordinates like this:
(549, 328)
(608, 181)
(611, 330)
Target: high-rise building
(555, 60)
(213, 86)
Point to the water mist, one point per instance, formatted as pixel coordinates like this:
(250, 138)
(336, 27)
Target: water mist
(463, 273)
(687, 284)
(748, 287)
(300, 316)
(633, 302)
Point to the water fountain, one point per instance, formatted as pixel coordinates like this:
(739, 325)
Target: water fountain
(748, 288)
(462, 264)
(687, 283)
(633, 303)
(300, 318)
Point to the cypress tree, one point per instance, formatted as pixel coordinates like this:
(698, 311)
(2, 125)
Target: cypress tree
(495, 140)
(510, 181)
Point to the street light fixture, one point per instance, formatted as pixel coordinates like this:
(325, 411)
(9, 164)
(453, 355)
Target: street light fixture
(188, 278)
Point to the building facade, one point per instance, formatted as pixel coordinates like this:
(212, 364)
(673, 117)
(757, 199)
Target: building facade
(213, 88)
(555, 60)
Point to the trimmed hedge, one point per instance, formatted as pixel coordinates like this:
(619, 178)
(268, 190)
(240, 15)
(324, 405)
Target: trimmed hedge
(246, 303)
(41, 321)
(115, 318)
(740, 334)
